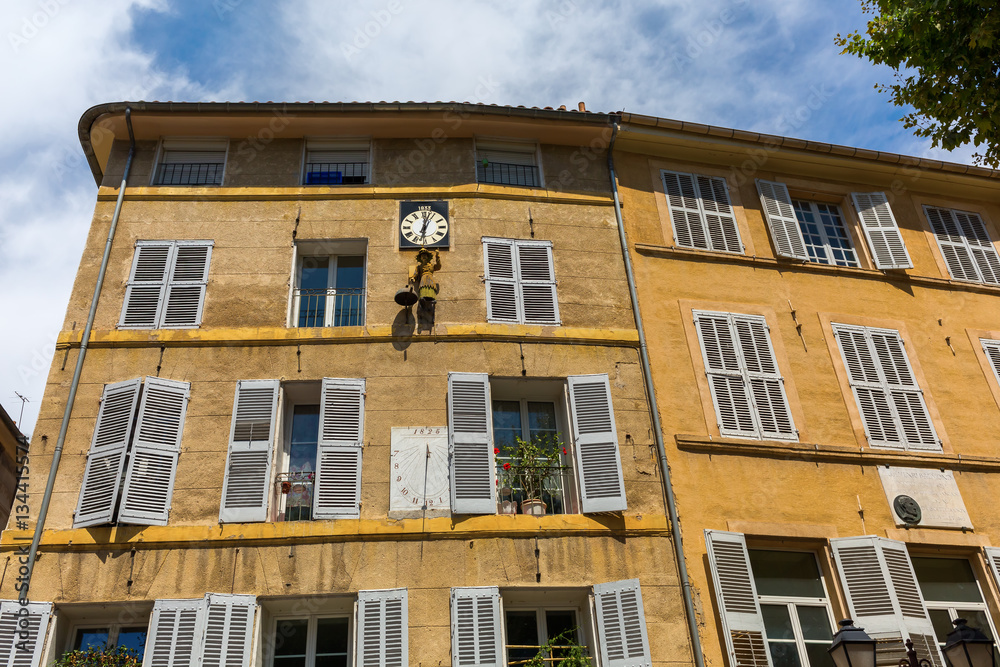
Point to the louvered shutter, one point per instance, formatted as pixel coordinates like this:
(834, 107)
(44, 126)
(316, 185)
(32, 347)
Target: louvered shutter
(730, 392)
(176, 630)
(884, 597)
(767, 387)
(867, 386)
(149, 483)
(470, 441)
(621, 624)
(736, 597)
(185, 297)
(476, 639)
(251, 441)
(596, 438)
(720, 220)
(881, 230)
(992, 350)
(781, 220)
(502, 303)
(22, 645)
(147, 283)
(335, 162)
(685, 213)
(993, 560)
(983, 250)
(537, 282)
(506, 163)
(229, 624)
(337, 493)
(383, 628)
(951, 241)
(906, 396)
(106, 459)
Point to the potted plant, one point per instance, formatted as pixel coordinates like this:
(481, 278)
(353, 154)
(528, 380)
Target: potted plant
(560, 651)
(111, 656)
(533, 463)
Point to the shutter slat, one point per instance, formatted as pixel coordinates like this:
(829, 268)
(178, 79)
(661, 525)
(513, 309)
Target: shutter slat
(176, 629)
(229, 623)
(341, 436)
(596, 444)
(470, 440)
(22, 636)
(475, 627)
(621, 624)
(781, 220)
(251, 441)
(736, 596)
(382, 628)
(881, 230)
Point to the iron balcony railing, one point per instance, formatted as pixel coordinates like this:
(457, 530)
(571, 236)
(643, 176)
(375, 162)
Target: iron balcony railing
(502, 173)
(336, 173)
(297, 490)
(555, 492)
(190, 173)
(521, 654)
(329, 307)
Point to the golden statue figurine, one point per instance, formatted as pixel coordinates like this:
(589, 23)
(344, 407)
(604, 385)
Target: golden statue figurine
(422, 274)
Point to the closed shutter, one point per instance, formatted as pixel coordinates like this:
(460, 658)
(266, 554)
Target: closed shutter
(884, 597)
(185, 297)
(965, 245)
(720, 220)
(596, 447)
(736, 597)
(229, 624)
(730, 391)
(506, 163)
(336, 162)
(983, 250)
(537, 282)
(106, 459)
(992, 350)
(502, 303)
(881, 230)
(341, 434)
(22, 637)
(251, 441)
(149, 483)
(781, 220)
(621, 624)
(383, 628)
(476, 639)
(685, 213)
(470, 443)
(147, 283)
(767, 387)
(176, 630)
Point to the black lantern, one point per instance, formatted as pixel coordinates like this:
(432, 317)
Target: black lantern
(968, 647)
(852, 647)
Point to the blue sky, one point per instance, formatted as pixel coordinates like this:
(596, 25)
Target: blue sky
(766, 65)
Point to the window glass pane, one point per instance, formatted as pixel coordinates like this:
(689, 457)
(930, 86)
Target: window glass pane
(91, 638)
(331, 642)
(522, 631)
(305, 433)
(541, 418)
(815, 622)
(785, 573)
(941, 622)
(290, 640)
(315, 273)
(946, 579)
(777, 622)
(818, 656)
(133, 638)
(350, 271)
(506, 424)
(784, 654)
(557, 623)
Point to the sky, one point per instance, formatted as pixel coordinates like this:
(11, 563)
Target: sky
(763, 65)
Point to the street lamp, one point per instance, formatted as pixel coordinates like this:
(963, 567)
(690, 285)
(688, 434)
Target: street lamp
(852, 647)
(968, 647)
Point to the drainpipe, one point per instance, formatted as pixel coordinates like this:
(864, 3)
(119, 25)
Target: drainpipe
(668, 488)
(25, 582)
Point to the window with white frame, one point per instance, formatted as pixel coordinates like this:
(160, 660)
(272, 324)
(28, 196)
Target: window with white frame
(337, 162)
(890, 402)
(992, 350)
(520, 281)
(805, 230)
(297, 638)
(700, 212)
(507, 163)
(965, 245)
(79, 627)
(329, 285)
(191, 162)
(166, 286)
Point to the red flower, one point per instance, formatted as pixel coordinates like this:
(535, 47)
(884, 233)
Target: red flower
(564, 450)
(506, 466)
(496, 450)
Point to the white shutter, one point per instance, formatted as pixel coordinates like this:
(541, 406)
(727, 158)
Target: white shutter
(881, 230)
(149, 483)
(906, 396)
(993, 560)
(106, 459)
(22, 636)
(720, 221)
(185, 298)
(470, 441)
(341, 433)
(476, 638)
(866, 384)
(229, 624)
(383, 628)
(176, 630)
(951, 241)
(597, 458)
(736, 597)
(685, 213)
(992, 350)
(537, 282)
(621, 624)
(983, 250)
(767, 387)
(251, 441)
(781, 220)
(730, 391)
(144, 295)
(884, 597)
(502, 303)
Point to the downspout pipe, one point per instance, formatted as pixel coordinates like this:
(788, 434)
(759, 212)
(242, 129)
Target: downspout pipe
(668, 488)
(24, 584)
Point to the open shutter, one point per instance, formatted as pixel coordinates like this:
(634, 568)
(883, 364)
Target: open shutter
(185, 298)
(176, 630)
(537, 282)
(720, 221)
(383, 628)
(596, 446)
(341, 433)
(730, 392)
(992, 350)
(106, 459)
(470, 441)
(993, 560)
(22, 637)
(251, 441)
(685, 214)
(736, 597)
(229, 622)
(476, 639)
(781, 220)
(149, 483)
(502, 304)
(144, 295)
(884, 597)
(879, 225)
(621, 624)
(767, 387)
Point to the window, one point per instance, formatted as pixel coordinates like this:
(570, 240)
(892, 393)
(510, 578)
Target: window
(311, 641)
(890, 402)
(965, 245)
(146, 460)
(700, 212)
(191, 162)
(166, 287)
(507, 163)
(520, 282)
(214, 630)
(825, 235)
(529, 629)
(881, 230)
(329, 289)
(337, 162)
(111, 636)
(746, 384)
(992, 350)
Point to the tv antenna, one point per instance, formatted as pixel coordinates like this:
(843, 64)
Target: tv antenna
(23, 401)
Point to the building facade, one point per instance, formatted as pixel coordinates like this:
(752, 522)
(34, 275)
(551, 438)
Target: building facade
(13, 445)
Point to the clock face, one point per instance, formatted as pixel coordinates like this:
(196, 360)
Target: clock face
(424, 223)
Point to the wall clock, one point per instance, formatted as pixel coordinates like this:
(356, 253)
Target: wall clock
(424, 223)
(418, 468)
